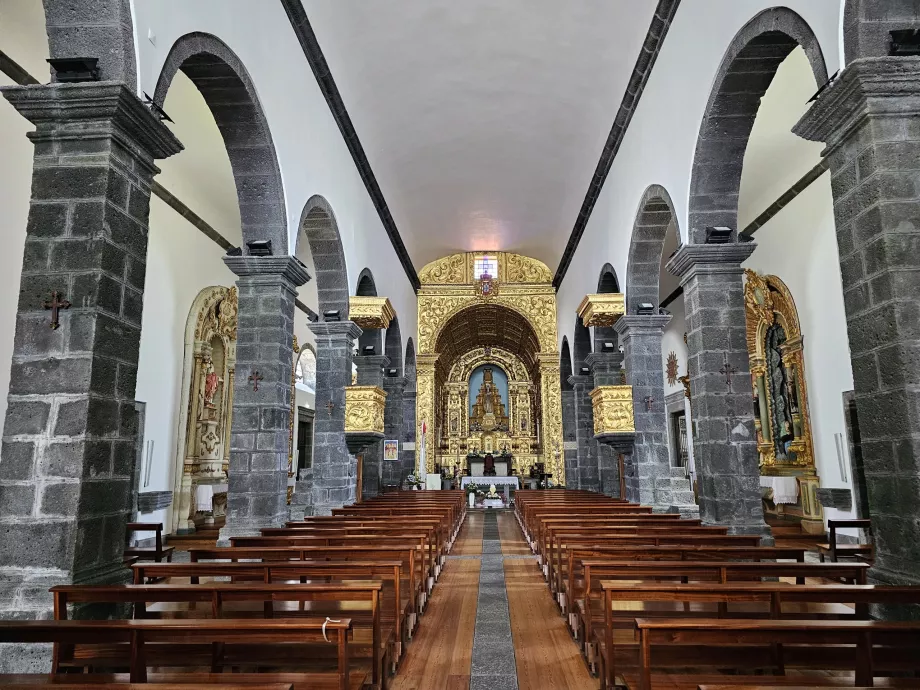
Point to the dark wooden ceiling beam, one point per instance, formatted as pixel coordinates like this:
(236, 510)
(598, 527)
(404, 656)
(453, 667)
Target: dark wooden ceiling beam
(654, 39)
(297, 15)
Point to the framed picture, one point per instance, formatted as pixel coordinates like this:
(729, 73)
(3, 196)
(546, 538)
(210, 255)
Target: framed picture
(391, 450)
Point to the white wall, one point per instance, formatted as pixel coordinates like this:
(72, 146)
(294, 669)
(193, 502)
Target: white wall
(312, 154)
(659, 145)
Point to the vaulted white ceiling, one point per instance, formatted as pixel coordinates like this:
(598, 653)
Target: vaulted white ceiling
(483, 120)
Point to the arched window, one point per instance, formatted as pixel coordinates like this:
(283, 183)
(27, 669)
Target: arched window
(306, 369)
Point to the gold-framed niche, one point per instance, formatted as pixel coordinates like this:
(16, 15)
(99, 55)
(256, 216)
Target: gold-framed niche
(782, 422)
(465, 321)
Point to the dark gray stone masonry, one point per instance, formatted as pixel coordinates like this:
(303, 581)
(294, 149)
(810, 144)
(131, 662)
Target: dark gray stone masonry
(260, 430)
(870, 120)
(68, 449)
(391, 471)
(334, 469)
(370, 373)
(407, 442)
(585, 474)
(724, 442)
(607, 370)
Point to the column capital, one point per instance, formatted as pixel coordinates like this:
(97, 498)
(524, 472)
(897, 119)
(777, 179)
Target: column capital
(874, 86)
(269, 268)
(634, 324)
(378, 361)
(69, 110)
(582, 380)
(394, 382)
(691, 259)
(604, 361)
(344, 329)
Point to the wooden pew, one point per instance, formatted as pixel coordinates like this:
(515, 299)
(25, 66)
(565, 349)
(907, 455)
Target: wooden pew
(155, 553)
(327, 599)
(31, 682)
(835, 551)
(137, 644)
(395, 605)
(868, 648)
(761, 600)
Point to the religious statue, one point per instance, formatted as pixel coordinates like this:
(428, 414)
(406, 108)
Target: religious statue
(488, 412)
(493, 493)
(211, 382)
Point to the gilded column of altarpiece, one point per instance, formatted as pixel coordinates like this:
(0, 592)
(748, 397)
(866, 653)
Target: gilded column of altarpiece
(524, 286)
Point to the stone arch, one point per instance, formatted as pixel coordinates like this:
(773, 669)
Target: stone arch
(231, 96)
(565, 365)
(747, 69)
(321, 232)
(582, 345)
(643, 269)
(607, 283)
(410, 365)
(393, 346)
(367, 287)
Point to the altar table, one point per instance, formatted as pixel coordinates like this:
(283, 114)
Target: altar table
(785, 489)
(507, 482)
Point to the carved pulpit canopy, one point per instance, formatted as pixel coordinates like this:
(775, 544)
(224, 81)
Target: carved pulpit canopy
(371, 312)
(602, 310)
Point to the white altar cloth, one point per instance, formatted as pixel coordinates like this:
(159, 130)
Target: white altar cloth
(486, 481)
(785, 489)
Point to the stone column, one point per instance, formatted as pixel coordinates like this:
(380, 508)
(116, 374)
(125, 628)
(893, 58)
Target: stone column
(69, 440)
(569, 439)
(393, 427)
(260, 431)
(607, 370)
(869, 120)
(407, 444)
(586, 473)
(334, 469)
(370, 373)
(641, 339)
(724, 443)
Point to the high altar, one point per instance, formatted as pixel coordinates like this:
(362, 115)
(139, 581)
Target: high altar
(488, 363)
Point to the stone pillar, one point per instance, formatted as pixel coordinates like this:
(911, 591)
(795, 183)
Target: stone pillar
(641, 339)
(69, 440)
(724, 443)
(407, 445)
(260, 429)
(370, 373)
(393, 427)
(334, 469)
(586, 472)
(607, 370)
(569, 439)
(868, 118)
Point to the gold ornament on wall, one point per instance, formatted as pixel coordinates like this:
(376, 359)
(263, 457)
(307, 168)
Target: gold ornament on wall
(364, 406)
(613, 409)
(672, 368)
(602, 310)
(370, 312)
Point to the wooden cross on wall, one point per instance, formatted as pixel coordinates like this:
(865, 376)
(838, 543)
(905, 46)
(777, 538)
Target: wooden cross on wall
(727, 370)
(254, 379)
(648, 400)
(55, 305)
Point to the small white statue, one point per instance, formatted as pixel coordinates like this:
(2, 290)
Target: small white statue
(492, 492)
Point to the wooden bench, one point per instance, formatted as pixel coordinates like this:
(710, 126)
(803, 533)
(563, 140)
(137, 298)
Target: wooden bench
(215, 643)
(222, 600)
(28, 682)
(157, 552)
(868, 648)
(761, 600)
(837, 551)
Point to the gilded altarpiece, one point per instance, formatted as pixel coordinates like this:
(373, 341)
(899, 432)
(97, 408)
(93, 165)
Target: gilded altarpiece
(524, 286)
(776, 349)
(204, 436)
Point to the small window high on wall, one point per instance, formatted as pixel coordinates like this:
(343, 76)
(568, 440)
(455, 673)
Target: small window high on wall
(485, 265)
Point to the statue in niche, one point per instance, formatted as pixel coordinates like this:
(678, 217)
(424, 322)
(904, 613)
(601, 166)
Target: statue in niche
(488, 411)
(211, 383)
(782, 393)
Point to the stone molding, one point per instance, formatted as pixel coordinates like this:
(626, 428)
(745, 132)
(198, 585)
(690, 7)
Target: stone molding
(709, 258)
(333, 328)
(269, 269)
(633, 325)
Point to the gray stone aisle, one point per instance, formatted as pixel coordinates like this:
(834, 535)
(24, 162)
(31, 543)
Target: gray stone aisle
(493, 666)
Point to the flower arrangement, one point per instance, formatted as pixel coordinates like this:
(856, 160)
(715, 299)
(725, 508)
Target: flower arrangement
(472, 488)
(413, 481)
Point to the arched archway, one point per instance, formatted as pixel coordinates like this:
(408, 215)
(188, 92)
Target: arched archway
(582, 346)
(319, 229)
(371, 337)
(643, 269)
(410, 364)
(747, 69)
(228, 90)
(565, 365)
(393, 346)
(607, 283)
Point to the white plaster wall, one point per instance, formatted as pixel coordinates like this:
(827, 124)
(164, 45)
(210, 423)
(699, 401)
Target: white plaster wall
(22, 37)
(673, 341)
(659, 145)
(312, 154)
(800, 246)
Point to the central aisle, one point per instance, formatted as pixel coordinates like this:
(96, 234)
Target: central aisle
(491, 623)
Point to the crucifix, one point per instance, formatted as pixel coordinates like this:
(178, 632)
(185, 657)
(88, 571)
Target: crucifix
(727, 370)
(254, 379)
(648, 400)
(330, 406)
(54, 305)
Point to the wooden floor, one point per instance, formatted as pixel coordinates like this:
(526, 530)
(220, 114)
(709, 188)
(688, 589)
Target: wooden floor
(439, 655)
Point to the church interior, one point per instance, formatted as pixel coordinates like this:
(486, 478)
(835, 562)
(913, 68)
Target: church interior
(476, 345)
